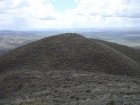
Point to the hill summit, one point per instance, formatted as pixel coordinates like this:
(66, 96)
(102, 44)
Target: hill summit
(68, 68)
(73, 51)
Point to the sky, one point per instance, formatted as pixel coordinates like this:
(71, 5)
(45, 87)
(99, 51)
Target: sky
(60, 14)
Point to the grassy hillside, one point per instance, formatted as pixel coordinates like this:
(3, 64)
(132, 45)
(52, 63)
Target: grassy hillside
(67, 69)
(133, 53)
(70, 51)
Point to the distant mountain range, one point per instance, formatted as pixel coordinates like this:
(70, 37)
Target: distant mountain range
(70, 68)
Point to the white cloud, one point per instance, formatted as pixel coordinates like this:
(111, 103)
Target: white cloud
(108, 7)
(25, 14)
(108, 12)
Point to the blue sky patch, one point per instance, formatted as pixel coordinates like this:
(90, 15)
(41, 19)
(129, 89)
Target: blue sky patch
(62, 5)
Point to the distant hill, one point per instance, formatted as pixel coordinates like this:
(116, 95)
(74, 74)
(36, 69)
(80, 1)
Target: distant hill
(3, 51)
(5, 31)
(59, 62)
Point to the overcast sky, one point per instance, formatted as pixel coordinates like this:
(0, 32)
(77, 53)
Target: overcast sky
(43, 14)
